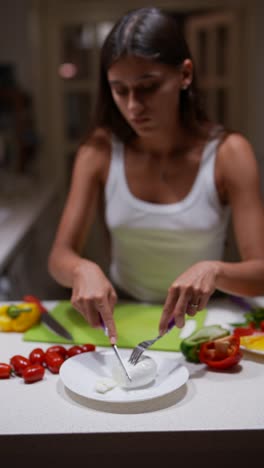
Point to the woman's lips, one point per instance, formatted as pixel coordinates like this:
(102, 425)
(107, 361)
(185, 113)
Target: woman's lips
(139, 120)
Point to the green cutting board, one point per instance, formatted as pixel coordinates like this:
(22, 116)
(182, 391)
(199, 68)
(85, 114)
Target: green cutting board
(135, 322)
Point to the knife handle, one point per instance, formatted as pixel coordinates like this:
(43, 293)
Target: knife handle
(171, 324)
(36, 301)
(103, 325)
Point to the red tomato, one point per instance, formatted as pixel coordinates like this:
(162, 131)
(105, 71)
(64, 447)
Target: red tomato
(33, 373)
(243, 331)
(53, 361)
(75, 350)
(5, 370)
(88, 347)
(37, 356)
(58, 349)
(262, 325)
(19, 363)
(222, 353)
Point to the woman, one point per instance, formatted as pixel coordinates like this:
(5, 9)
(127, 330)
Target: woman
(170, 180)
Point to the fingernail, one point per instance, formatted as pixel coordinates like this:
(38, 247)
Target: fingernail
(113, 340)
(180, 322)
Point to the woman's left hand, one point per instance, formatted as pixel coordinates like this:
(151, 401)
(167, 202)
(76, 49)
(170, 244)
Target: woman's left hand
(189, 293)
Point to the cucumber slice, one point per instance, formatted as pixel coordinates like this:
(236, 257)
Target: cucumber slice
(190, 346)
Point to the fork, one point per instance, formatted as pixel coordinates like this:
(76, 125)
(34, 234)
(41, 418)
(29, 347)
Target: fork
(141, 347)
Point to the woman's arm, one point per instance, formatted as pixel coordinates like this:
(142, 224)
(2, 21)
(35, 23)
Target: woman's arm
(92, 293)
(237, 180)
(241, 184)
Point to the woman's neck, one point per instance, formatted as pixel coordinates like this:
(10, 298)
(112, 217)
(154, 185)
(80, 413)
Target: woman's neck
(165, 144)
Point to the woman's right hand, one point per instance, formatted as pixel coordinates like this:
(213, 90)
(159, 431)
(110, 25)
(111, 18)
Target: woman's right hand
(93, 296)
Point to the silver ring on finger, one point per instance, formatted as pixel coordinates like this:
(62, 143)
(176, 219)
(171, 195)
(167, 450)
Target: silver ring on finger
(99, 304)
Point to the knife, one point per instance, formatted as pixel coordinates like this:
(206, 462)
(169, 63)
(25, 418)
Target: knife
(114, 347)
(48, 320)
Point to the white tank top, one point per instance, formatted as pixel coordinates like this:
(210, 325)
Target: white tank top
(154, 243)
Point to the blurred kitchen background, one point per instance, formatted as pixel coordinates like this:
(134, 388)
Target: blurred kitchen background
(48, 62)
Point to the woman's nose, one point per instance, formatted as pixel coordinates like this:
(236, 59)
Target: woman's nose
(135, 104)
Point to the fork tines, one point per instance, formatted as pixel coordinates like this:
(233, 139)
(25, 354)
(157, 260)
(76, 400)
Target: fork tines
(139, 350)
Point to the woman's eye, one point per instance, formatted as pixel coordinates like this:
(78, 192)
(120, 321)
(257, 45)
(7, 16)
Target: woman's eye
(143, 89)
(148, 87)
(120, 92)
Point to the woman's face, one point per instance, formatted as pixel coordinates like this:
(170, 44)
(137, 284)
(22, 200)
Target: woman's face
(147, 92)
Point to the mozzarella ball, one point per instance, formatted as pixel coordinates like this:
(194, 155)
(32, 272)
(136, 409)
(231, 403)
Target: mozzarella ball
(141, 374)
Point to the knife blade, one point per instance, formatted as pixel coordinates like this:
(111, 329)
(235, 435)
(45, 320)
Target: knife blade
(114, 347)
(48, 320)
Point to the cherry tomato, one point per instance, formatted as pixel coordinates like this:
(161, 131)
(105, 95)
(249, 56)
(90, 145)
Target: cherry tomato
(33, 373)
(19, 363)
(53, 361)
(37, 356)
(75, 350)
(58, 349)
(88, 347)
(251, 325)
(5, 370)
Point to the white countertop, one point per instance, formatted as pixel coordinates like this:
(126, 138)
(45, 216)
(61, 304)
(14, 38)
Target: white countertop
(209, 401)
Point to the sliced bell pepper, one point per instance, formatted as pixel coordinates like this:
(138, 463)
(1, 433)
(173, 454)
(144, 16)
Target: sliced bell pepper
(222, 353)
(254, 342)
(18, 317)
(243, 331)
(190, 346)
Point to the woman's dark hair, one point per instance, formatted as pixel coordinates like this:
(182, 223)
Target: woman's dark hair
(153, 34)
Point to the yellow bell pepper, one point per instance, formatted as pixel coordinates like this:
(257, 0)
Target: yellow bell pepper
(18, 317)
(254, 342)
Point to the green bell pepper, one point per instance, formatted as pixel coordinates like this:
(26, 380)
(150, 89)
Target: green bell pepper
(190, 346)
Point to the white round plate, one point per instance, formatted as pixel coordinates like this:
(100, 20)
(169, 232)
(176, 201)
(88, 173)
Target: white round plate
(81, 373)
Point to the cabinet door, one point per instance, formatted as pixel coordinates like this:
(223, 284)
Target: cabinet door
(214, 43)
(75, 41)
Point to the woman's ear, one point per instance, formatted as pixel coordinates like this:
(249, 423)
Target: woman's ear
(187, 73)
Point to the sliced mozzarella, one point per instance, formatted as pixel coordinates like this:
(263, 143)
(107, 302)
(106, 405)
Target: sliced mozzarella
(104, 385)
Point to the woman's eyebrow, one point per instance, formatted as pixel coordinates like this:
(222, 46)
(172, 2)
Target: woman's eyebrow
(146, 76)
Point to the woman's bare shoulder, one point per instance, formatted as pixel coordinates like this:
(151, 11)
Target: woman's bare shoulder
(236, 159)
(94, 155)
(235, 142)
(235, 149)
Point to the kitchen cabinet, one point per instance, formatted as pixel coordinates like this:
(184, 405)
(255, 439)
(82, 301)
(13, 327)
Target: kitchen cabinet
(18, 136)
